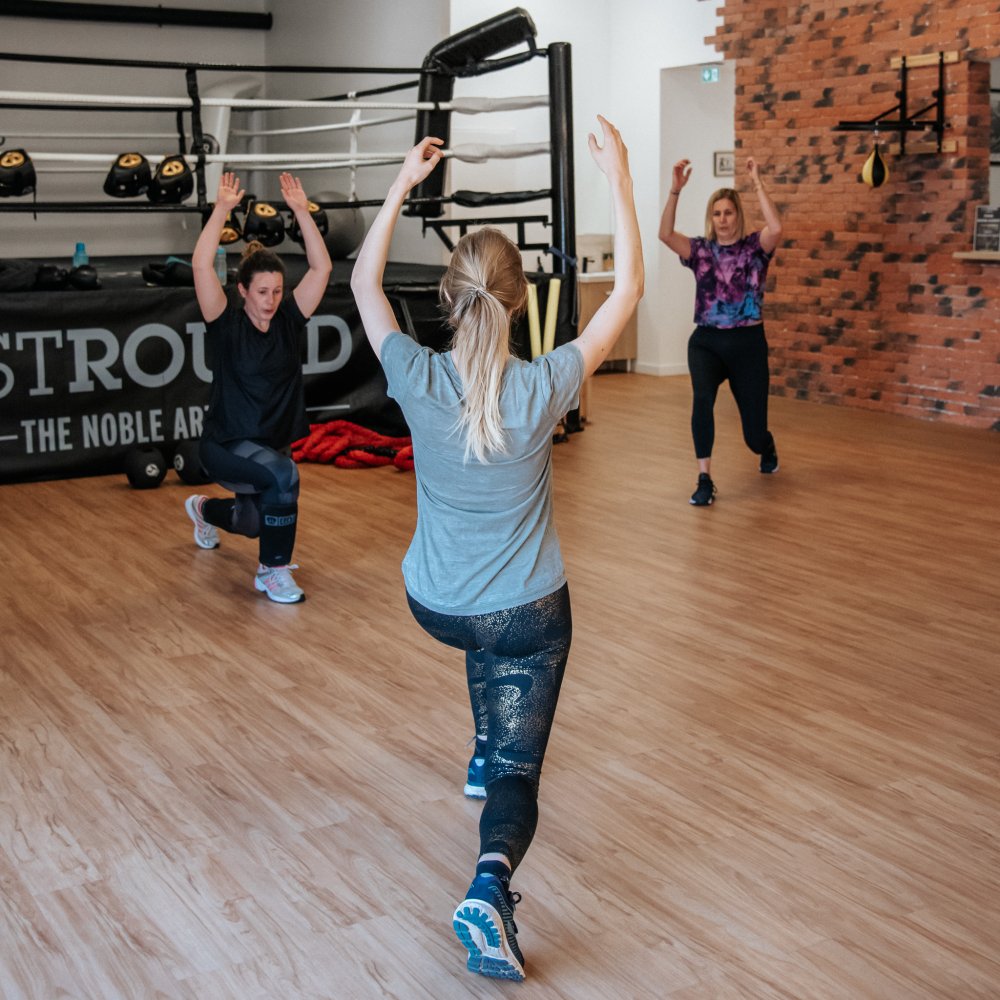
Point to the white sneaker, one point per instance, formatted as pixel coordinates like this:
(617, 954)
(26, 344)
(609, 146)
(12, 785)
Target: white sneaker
(277, 583)
(206, 536)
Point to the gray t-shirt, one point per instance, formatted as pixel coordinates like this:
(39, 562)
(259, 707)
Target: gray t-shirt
(485, 539)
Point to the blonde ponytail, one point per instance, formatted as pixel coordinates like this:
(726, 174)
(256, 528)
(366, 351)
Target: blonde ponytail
(482, 289)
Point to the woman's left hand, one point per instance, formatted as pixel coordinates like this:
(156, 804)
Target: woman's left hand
(753, 169)
(293, 193)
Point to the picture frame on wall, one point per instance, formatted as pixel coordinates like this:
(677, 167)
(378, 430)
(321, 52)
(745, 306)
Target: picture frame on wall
(986, 234)
(724, 163)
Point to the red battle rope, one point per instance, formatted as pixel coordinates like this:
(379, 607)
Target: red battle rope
(349, 446)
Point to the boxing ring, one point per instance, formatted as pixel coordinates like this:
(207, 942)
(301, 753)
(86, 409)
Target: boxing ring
(93, 364)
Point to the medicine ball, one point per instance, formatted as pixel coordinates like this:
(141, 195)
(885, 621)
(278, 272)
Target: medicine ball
(172, 182)
(263, 223)
(84, 277)
(17, 173)
(346, 227)
(129, 176)
(145, 467)
(318, 216)
(187, 464)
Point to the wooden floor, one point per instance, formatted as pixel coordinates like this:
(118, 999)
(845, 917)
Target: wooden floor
(774, 772)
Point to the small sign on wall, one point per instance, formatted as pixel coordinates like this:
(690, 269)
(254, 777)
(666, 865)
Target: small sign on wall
(986, 235)
(724, 163)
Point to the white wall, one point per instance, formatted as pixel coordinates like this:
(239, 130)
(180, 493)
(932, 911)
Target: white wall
(107, 234)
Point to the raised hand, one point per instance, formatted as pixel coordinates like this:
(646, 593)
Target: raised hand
(753, 169)
(292, 192)
(682, 171)
(611, 155)
(230, 193)
(420, 162)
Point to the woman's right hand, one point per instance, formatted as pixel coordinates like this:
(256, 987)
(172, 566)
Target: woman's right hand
(612, 155)
(420, 162)
(230, 193)
(682, 171)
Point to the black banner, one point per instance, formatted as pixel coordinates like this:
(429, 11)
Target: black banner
(87, 376)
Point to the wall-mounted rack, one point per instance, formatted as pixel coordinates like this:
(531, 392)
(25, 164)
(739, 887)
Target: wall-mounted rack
(907, 121)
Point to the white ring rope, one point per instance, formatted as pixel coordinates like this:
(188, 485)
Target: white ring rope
(466, 152)
(304, 129)
(463, 105)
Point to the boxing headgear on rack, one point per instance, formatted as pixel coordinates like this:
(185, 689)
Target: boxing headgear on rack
(231, 230)
(318, 216)
(128, 177)
(172, 182)
(17, 173)
(264, 223)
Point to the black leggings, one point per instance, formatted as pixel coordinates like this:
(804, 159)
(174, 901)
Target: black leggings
(266, 504)
(740, 354)
(514, 661)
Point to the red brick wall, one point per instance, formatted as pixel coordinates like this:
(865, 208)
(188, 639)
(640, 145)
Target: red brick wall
(866, 304)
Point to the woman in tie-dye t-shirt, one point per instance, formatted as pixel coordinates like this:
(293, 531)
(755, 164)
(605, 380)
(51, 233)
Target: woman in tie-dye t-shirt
(728, 341)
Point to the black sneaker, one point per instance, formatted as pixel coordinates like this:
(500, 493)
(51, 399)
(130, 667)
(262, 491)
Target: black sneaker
(705, 494)
(769, 460)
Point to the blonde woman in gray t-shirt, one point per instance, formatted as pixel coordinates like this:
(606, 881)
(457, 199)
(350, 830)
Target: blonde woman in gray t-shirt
(484, 573)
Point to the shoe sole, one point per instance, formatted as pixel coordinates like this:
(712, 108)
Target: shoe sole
(474, 792)
(278, 600)
(480, 930)
(189, 507)
(706, 503)
(770, 472)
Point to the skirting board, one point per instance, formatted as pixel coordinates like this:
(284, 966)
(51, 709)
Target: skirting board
(643, 368)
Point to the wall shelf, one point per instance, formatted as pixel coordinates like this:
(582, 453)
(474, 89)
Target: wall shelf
(980, 256)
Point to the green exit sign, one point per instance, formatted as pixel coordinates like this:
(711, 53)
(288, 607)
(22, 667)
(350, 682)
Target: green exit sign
(710, 74)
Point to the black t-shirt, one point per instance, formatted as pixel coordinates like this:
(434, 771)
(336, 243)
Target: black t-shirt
(257, 378)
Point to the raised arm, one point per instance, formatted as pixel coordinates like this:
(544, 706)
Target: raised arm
(771, 232)
(310, 290)
(596, 341)
(207, 289)
(678, 242)
(366, 280)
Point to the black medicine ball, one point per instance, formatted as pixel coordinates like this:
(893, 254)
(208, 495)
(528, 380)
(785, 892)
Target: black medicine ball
(172, 182)
(17, 173)
(264, 223)
(145, 467)
(187, 464)
(129, 176)
(84, 277)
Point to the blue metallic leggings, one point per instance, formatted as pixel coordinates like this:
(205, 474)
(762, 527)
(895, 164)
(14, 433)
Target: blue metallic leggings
(514, 660)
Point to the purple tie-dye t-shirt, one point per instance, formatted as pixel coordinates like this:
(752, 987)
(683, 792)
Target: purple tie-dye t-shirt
(730, 281)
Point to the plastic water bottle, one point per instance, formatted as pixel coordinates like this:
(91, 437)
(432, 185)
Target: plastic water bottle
(221, 270)
(80, 256)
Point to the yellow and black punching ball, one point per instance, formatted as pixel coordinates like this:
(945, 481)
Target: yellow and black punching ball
(17, 173)
(875, 173)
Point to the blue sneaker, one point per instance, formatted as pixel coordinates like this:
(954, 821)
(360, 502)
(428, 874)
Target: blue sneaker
(484, 923)
(475, 783)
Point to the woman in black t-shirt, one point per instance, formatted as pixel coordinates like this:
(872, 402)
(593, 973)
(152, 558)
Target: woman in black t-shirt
(256, 408)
